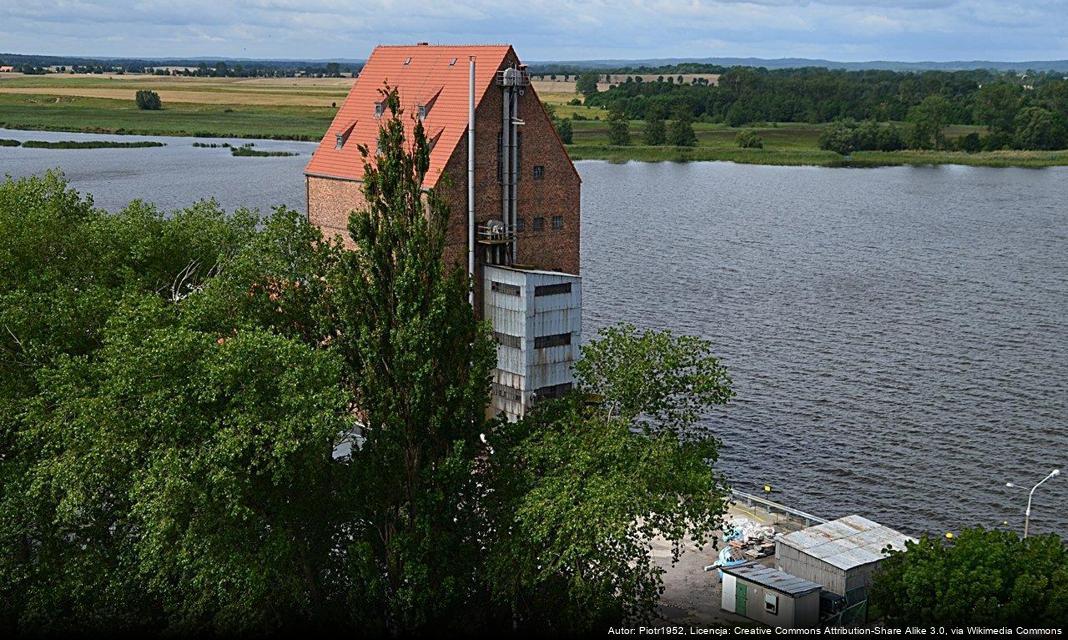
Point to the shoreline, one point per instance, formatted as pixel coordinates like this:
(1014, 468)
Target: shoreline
(645, 154)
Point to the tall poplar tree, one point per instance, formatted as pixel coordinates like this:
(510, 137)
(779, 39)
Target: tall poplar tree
(418, 368)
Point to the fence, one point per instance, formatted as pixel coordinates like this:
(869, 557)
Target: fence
(774, 507)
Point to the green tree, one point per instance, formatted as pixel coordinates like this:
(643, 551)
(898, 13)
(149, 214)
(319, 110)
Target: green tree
(749, 139)
(971, 143)
(1038, 128)
(618, 128)
(194, 498)
(586, 83)
(680, 133)
(996, 105)
(418, 367)
(148, 100)
(989, 578)
(563, 127)
(586, 482)
(655, 132)
(839, 137)
(929, 119)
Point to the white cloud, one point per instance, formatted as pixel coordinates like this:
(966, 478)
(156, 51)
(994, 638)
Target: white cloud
(551, 29)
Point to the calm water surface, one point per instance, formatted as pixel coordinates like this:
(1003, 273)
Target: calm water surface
(898, 337)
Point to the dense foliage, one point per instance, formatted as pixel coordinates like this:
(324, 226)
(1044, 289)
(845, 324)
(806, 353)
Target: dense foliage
(846, 136)
(749, 139)
(226, 424)
(148, 100)
(618, 129)
(929, 100)
(986, 578)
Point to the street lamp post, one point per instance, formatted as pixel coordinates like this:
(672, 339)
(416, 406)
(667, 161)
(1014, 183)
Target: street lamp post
(1027, 514)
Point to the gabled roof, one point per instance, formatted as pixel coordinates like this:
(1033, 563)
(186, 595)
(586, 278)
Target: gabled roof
(847, 542)
(433, 76)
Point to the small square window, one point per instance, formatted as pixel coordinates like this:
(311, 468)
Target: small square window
(539, 172)
(452, 62)
(771, 603)
(539, 223)
(407, 61)
(520, 224)
(558, 223)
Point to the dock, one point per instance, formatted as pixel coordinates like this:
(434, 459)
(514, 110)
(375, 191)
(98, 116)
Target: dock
(692, 594)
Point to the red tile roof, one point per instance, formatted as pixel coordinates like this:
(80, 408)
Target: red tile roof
(434, 76)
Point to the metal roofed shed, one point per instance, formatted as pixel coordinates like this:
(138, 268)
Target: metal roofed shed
(841, 555)
(770, 596)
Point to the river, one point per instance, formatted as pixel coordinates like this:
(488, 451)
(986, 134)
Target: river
(898, 336)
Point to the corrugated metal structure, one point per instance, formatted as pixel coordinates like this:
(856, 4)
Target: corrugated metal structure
(840, 555)
(768, 595)
(537, 323)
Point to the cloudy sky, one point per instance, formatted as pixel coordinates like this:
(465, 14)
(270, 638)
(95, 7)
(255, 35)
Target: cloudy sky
(847, 30)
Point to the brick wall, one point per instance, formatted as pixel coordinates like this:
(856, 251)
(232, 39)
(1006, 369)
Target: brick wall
(554, 195)
(329, 203)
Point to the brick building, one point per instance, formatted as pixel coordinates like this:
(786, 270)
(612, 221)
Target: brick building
(523, 248)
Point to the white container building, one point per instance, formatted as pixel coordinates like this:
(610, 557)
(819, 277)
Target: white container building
(537, 324)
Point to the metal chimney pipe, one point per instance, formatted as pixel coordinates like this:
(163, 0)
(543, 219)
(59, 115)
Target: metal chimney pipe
(506, 148)
(471, 182)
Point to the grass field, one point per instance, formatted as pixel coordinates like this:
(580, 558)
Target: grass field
(102, 115)
(301, 109)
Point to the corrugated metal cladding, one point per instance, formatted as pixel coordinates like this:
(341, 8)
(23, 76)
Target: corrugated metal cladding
(773, 579)
(840, 555)
(537, 323)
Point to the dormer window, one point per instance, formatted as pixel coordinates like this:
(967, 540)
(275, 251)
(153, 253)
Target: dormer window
(380, 108)
(343, 136)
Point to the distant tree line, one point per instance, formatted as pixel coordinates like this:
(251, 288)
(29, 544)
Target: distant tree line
(1020, 111)
(34, 64)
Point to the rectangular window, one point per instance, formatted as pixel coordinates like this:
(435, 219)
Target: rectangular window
(558, 340)
(771, 603)
(552, 391)
(520, 224)
(539, 172)
(508, 393)
(539, 223)
(552, 289)
(380, 108)
(507, 340)
(505, 288)
(558, 223)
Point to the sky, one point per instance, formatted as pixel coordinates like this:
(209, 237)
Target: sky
(841, 30)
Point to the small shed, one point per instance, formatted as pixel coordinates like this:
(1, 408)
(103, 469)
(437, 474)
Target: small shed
(770, 596)
(840, 555)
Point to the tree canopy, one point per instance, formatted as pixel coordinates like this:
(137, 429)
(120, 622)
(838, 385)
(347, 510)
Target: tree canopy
(929, 100)
(218, 423)
(983, 577)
